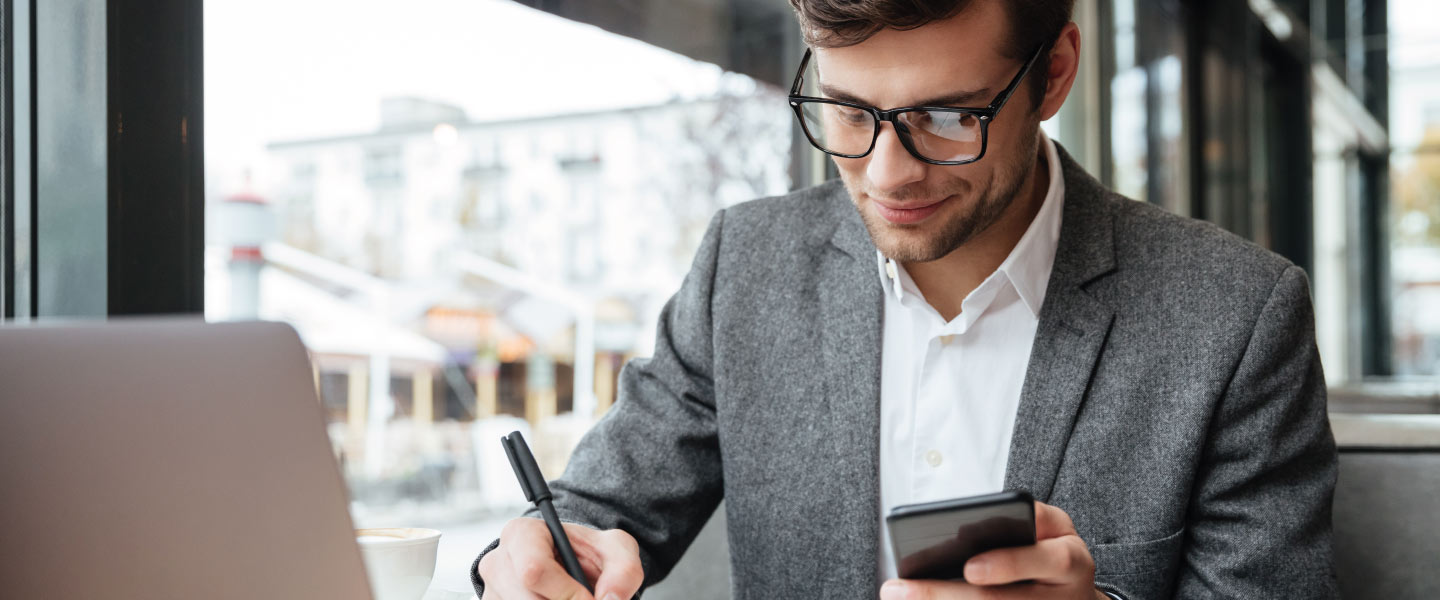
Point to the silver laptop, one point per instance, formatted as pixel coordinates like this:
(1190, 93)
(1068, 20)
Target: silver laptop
(168, 460)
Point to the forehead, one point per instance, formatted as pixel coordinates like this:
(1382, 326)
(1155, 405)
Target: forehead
(893, 68)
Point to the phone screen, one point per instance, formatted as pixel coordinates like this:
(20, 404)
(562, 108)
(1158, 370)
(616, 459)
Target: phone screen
(933, 540)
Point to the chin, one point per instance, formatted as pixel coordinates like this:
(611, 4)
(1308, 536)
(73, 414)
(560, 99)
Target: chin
(905, 243)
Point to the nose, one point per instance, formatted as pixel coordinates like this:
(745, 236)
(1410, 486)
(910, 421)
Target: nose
(891, 165)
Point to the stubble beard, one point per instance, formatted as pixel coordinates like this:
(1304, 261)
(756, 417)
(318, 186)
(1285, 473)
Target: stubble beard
(997, 195)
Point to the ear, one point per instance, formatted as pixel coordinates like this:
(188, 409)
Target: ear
(1064, 63)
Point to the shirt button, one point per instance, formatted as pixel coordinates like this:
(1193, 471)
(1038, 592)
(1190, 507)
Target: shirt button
(933, 457)
(946, 339)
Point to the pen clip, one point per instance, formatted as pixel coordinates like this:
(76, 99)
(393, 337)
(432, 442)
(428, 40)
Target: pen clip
(526, 470)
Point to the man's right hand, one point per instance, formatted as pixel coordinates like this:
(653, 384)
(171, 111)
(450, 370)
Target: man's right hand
(524, 566)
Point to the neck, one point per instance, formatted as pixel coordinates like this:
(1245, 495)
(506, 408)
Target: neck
(946, 281)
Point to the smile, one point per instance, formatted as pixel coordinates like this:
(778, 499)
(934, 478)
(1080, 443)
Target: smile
(907, 214)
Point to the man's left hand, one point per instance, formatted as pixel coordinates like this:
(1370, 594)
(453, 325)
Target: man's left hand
(1057, 566)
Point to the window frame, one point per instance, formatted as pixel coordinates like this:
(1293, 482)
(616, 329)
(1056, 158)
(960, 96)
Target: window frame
(148, 183)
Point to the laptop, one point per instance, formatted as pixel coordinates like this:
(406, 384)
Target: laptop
(165, 459)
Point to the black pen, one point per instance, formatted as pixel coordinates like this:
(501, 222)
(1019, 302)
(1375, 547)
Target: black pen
(533, 483)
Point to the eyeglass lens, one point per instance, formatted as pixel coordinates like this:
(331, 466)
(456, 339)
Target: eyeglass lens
(936, 135)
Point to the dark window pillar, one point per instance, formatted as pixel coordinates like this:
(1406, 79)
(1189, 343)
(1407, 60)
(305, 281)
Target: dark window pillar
(155, 123)
(1376, 349)
(102, 163)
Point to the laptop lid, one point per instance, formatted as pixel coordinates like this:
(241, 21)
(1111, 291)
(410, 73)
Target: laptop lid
(168, 459)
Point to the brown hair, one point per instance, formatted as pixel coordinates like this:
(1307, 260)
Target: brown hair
(839, 23)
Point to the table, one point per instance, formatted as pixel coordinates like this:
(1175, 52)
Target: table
(439, 594)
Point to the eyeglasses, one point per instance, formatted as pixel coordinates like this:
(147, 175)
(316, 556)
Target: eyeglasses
(934, 134)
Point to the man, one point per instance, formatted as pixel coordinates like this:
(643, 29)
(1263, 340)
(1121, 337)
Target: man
(969, 312)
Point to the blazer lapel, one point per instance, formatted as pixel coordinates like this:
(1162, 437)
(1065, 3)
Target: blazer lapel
(852, 312)
(1068, 341)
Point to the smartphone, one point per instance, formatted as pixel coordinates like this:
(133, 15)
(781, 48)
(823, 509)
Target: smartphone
(934, 539)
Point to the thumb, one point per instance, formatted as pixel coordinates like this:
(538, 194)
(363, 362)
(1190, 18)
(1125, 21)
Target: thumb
(1051, 522)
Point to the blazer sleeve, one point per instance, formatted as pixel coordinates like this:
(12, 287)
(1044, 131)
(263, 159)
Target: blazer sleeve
(651, 466)
(1259, 523)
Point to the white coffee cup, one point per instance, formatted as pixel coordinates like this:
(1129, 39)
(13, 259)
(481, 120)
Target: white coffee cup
(400, 561)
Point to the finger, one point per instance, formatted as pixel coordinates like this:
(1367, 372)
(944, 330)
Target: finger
(609, 558)
(1058, 560)
(620, 571)
(533, 563)
(1051, 522)
(492, 571)
(925, 589)
(582, 541)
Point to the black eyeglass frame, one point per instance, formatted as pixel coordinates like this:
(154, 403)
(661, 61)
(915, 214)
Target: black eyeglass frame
(984, 115)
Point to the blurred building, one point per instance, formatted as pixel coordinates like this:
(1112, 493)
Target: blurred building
(483, 237)
(600, 202)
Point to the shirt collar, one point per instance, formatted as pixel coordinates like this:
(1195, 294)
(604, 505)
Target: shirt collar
(1029, 264)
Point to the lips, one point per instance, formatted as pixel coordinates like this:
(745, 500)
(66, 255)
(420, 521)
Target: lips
(907, 213)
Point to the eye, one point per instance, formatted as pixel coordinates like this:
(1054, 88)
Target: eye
(944, 124)
(851, 114)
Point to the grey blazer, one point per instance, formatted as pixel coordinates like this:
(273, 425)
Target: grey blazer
(1174, 406)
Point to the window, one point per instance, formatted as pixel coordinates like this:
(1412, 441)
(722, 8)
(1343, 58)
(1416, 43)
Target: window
(467, 245)
(1415, 192)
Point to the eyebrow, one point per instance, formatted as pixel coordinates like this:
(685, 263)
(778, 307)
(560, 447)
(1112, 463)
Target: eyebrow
(970, 98)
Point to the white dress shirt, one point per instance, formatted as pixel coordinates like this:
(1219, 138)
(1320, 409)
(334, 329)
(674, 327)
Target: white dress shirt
(949, 391)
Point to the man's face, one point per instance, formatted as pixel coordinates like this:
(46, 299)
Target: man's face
(916, 211)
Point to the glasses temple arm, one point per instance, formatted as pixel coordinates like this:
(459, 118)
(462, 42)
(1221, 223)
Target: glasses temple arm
(799, 74)
(1015, 83)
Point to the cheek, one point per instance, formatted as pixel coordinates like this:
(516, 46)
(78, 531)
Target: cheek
(852, 173)
(850, 168)
(1006, 135)
(966, 181)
